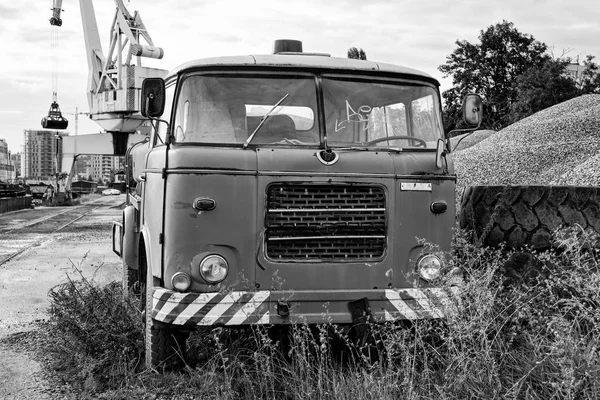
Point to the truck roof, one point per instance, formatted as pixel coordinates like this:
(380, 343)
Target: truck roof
(304, 61)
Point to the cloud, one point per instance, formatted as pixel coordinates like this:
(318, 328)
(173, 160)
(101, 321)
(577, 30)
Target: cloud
(415, 34)
(9, 13)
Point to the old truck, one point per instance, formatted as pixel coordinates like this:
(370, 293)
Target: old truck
(287, 188)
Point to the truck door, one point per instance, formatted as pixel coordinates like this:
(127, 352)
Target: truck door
(153, 187)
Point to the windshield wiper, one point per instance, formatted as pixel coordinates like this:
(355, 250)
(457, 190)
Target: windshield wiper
(396, 149)
(349, 148)
(262, 121)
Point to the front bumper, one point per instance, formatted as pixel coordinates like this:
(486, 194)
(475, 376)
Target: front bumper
(239, 308)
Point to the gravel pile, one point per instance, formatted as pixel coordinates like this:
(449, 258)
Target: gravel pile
(556, 146)
(469, 139)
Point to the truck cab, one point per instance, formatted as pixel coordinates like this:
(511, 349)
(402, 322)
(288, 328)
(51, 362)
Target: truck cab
(287, 188)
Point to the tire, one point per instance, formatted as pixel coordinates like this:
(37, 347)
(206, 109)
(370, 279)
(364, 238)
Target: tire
(525, 268)
(165, 346)
(130, 280)
(526, 216)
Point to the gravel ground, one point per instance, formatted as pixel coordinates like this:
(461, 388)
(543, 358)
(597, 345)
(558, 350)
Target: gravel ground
(19, 352)
(26, 279)
(556, 146)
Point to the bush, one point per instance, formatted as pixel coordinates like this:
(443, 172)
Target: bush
(95, 336)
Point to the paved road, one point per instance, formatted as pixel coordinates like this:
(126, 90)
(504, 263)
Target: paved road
(38, 249)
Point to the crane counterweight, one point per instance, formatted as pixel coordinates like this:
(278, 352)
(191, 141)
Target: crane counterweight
(146, 51)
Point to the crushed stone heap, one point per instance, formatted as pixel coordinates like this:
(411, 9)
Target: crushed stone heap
(467, 140)
(556, 146)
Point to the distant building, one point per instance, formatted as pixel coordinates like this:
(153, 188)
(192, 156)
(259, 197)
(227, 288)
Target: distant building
(7, 171)
(82, 169)
(575, 71)
(101, 166)
(42, 154)
(16, 162)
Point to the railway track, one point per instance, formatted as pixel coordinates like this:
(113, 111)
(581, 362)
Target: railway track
(17, 237)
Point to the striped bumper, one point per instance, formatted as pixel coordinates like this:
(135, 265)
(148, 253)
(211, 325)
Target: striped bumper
(314, 306)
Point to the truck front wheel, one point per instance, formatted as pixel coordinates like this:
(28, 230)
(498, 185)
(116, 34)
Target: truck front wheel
(165, 346)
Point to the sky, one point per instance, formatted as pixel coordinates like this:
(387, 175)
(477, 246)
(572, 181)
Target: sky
(416, 34)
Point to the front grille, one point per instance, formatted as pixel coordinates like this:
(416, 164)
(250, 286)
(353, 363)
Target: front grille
(325, 222)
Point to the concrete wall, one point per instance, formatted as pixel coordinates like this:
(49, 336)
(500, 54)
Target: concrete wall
(14, 203)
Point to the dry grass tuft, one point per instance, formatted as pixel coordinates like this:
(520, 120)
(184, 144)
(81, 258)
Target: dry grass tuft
(534, 335)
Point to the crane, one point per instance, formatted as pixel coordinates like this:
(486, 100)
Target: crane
(114, 82)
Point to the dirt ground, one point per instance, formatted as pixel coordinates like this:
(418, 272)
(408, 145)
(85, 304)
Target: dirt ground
(50, 252)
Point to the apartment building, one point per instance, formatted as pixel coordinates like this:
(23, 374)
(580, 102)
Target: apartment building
(101, 166)
(7, 171)
(15, 158)
(575, 71)
(42, 154)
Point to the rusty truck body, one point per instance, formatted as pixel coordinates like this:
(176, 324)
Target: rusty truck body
(284, 188)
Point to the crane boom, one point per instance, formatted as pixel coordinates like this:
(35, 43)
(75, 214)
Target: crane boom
(114, 83)
(95, 56)
(115, 80)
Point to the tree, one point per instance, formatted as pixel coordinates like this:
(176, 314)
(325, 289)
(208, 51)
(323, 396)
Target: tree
(358, 54)
(490, 68)
(542, 87)
(590, 78)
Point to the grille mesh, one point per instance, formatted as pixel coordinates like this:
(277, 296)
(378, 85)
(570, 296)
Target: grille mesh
(325, 222)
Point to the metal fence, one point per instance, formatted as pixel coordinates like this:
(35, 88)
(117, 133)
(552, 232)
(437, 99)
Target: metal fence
(14, 203)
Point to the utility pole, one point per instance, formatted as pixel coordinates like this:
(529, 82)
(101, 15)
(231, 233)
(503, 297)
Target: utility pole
(76, 115)
(76, 120)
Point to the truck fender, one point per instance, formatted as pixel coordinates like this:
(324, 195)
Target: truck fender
(151, 264)
(131, 237)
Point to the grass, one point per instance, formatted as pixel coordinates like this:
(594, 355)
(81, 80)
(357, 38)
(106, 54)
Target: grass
(520, 332)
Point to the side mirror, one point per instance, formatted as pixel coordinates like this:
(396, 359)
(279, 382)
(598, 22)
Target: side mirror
(472, 108)
(153, 97)
(440, 153)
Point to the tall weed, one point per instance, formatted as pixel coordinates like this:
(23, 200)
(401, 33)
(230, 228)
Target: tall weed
(527, 333)
(94, 335)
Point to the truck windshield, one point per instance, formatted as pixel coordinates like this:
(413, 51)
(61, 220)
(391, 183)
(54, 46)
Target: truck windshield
(371, 113)
(227, 108)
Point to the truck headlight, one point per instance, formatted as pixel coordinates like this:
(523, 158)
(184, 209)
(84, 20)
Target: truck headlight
(181, 281)
(429, 267)
(214, 268)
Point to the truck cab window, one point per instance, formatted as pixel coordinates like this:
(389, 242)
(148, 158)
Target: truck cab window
(364, 113)
(227, 109)
(423, 118)
(388, 121)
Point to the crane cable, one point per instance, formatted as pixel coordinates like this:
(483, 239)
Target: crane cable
(54, 120)
(54, 58)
